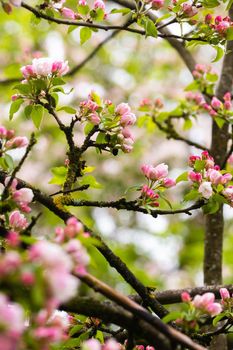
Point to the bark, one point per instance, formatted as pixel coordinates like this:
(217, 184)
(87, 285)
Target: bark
(215, 223)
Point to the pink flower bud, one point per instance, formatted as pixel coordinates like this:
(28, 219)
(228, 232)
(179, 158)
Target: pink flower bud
(185, 297)
(123, 108)
(214, 309)
(218, 19)
(111, 344)
(216, 103)
(167, 182)
(27, 278)
(14, 97)
(208, 18)
(128, 119)
(24, 195)
(195, 177)
(17, 142)
(227, 105)
(227, 96)
(94, 118)
(99, 4)
(67, 12)
(157, 4)
(3, 132)
(224, 293)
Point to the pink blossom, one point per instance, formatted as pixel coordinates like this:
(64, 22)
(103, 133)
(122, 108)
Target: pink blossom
(214, 309)
(111, 344)
(99, 4)
(206, 189)
(167, 182)
(189, 10)
(94, 118)
(224, 293)
(17, 142)
(216, 103)
(127, 145)
(27, 278)
(91, 344)
(73, 227)
(157, 4)
(51, 255)
(123, 108)
(82, 2)
(23, 196)
(127, 119)
(60, 67)
(208, 18)
(3, 132)
(226, 178)
(67, 12)
(214, 176)
(13, 238)
(185, 297)
(18, 220)
(195, 176)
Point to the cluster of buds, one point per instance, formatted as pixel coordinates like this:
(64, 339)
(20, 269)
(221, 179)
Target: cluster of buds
(157, 182)
(84, 12)
(219, 24)
(148, 105)
(201, 70)
(8, 141)
(44, 67)
(183, 10)
(218, 108)
(114, 121)
(207, 178)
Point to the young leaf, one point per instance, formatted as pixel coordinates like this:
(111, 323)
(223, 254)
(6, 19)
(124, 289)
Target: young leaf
(15, 106)
(85, 34)
(37, 114)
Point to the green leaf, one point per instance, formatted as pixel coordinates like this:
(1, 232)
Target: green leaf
(67, 109)
(58, 81)
(230, 33)
(220, 122)
(28, 111)
(199, 165)
(150, 28)
(91, 181)
(124, 11)
(37, 114)
(218, 318)
(85, 35)
(211, 207)
(23, 88)
(9, 161)
(15, 106)
(59, 175)
(88, 127)
(192, 86)
(187, 124)
(100, 336)
(182, 177)
(167, 15)
(174, 315)
(219, 53)
(210, 3)
(192, 195)
(83, 9)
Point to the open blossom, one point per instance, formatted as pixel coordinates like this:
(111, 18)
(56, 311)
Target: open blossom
(12, 321)
(17, 220)
(43, 67)
(155, 173)
(206, 189)
(206, 303)
(67, 12)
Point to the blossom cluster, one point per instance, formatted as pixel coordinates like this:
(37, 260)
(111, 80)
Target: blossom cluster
(44, 67)
(155, 4)
(208, 180)
(9, 141)
(47, 270)
(198, 308)
(84, 12)
(157, 182)
(219, 24)
(113, 120)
